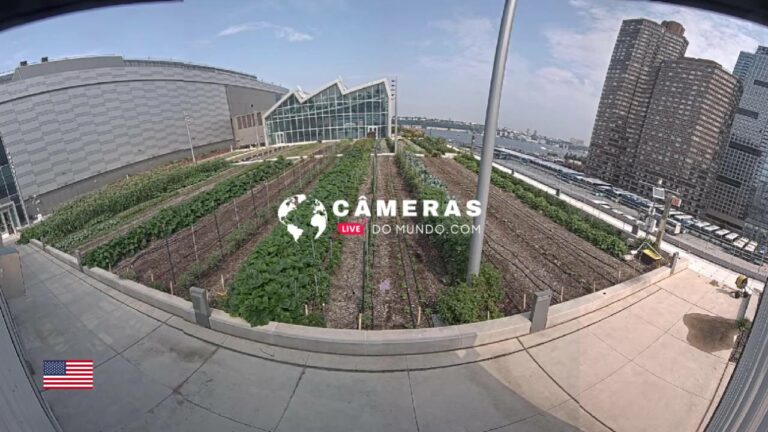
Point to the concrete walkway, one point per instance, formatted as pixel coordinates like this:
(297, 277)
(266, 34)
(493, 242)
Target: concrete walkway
(656, 361)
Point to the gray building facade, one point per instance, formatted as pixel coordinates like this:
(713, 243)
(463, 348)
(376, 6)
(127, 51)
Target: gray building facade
(739, 198)
(73, 125)
(686, 130)
(640, 48)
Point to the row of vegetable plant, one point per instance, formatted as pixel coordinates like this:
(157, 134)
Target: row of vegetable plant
(453, 248)
(598, 233)
(461, 303)
(100, 206)
(241, 235)
(175, 218)
(288, 280)
(433, 146)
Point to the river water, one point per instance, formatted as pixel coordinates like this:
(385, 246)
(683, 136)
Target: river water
(512, 144)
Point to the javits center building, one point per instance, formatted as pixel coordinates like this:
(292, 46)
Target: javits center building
(71, 126)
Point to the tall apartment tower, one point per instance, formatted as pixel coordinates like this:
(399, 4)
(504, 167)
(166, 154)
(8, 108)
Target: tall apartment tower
(640, 48)
(686, 130)
(739, 197)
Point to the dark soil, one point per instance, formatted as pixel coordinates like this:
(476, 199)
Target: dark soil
(531, 251)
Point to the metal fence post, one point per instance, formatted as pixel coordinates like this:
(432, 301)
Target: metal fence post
(194, 243)
(170, 259)
(218, 233)
(200, 305)
(540, 309)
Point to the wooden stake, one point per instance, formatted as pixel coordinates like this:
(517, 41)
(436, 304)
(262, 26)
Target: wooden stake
(151, 276)
(525, 300)
(418, 316)
(359, 321)
(222, 282)
(306, 310)
(172, 288)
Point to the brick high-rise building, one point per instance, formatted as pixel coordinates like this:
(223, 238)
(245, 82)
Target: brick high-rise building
(686, 129)
(739, 198)
(640, 48)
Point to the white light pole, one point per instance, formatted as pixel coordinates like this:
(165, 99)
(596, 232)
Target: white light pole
(394, 96)
(187, 120)
(489, 138)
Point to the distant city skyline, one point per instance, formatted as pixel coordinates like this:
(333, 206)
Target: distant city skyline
(441, 55)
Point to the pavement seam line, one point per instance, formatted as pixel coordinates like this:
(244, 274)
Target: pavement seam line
(712, 400)
(591, 324)
(645, 369)
(290, 399)
(222, 415)
(519, 421)
(567, 392)
(413, 402)
(177, 389)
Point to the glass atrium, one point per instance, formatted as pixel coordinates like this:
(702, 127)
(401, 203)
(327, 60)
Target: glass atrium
(334, 113)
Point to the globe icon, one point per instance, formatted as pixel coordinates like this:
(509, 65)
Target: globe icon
(319, 218)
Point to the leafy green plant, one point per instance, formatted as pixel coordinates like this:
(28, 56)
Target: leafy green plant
(282, 275)
(175, 218)
(462, 304)
(433, 146)
(453, 247)
(99, 206)
(600, 234)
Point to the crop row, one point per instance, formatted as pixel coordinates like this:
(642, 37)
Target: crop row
(283, 277)
(598, 233)
(461, 303)
(433, 146)
(172, 219)
(453, 248)
(118, 197)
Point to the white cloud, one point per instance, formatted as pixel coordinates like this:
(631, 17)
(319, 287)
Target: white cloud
(558, 89)
(280, 32)
(585, 49)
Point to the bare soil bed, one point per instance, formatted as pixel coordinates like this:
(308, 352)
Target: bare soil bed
(406, 271)
(347, 283)
(531, 251)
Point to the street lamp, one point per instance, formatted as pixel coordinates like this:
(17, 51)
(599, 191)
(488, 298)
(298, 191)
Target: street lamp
(187, 120)
(489, 138)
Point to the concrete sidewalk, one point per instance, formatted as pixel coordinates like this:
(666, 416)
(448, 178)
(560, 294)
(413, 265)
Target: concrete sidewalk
(657, 364)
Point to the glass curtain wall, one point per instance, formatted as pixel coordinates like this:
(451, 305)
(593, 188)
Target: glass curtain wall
(331, 115)
(11, 206)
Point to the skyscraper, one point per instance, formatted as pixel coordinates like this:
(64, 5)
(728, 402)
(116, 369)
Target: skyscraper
(739, 198)
(686, 129)
(640, 48)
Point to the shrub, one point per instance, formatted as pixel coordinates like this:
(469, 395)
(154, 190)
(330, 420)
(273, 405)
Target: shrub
(464, 303)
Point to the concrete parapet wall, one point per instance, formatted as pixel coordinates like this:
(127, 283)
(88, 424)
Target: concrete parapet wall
(374, 343)
(583, 305)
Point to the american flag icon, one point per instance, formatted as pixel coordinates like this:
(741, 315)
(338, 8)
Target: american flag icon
(68, 375)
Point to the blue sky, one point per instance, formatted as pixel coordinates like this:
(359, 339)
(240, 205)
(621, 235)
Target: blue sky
(441, 50)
